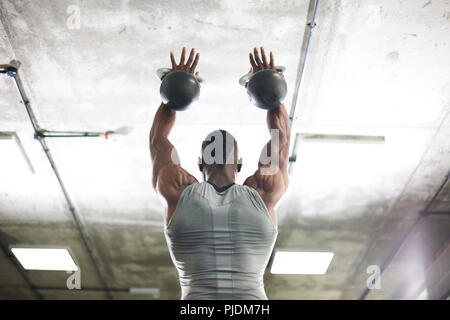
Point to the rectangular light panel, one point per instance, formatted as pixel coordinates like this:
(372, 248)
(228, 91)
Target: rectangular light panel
(295, 262)
(153, 292)
(57, 259)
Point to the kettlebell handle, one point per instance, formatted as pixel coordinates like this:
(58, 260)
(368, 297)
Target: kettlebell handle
(243, 81)
(162, 72)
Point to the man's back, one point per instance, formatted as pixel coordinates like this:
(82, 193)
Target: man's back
(221, 242)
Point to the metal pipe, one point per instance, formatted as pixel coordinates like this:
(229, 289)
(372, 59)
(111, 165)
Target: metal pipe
(313, 5)
(13, 73)
(41, 138)
(436, 194)
(56, 134)
(25, 101)
(310, 25)
(441, 213)
(71, 136)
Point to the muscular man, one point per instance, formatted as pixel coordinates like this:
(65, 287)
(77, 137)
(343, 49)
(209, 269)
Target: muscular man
(220, 234)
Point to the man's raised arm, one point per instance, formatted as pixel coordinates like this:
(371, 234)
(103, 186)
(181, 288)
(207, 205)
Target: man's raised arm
(168, 178)
(278, 120)
(271, 178)
(161, 149)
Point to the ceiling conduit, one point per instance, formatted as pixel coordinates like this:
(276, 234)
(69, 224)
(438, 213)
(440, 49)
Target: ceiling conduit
(312, 10)
(12, 71)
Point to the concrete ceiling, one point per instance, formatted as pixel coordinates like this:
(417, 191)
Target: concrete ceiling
(373, 68)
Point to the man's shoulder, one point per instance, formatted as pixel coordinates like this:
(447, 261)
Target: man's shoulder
(172, 172)
(265, 178)
(269, 183)
(172, 180)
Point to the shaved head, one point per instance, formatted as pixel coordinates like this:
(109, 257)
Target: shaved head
(219, 148)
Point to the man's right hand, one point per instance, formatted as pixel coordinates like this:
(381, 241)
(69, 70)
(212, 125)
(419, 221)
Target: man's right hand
(258, 64)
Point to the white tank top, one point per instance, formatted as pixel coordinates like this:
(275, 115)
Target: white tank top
(220, 242)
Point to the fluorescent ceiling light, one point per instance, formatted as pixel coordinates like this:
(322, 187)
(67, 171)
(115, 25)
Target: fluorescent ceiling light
(56, 259)
(325, 138)
(294, 262)
(154, 292)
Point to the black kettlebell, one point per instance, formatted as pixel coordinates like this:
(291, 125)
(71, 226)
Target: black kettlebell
(267, 89)
(179, 89)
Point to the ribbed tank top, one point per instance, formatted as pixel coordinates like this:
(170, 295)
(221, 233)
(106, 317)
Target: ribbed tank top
(220, 242)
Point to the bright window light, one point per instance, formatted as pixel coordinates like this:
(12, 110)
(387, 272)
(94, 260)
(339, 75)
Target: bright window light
(45, 259)
(292, 262)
